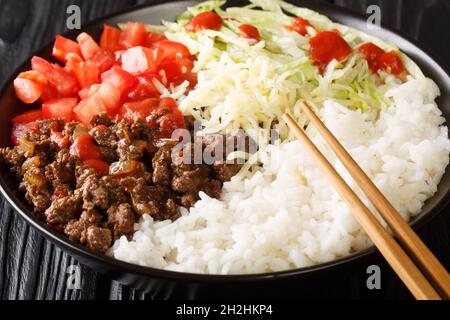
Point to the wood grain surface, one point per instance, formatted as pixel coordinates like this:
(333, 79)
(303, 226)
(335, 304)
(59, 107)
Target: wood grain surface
(33, 268)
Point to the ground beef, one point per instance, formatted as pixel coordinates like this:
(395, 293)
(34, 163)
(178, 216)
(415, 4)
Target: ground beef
(190, 178)
(224, 171)
(14, 158)
(36, 188)
(76, 230)
(98, 239)
(162, 172)
(64, 209)
(131, 149)
(155, 201)
(101, 119)
(121, 219)
(94, 207)
(108, 154)
(45, 126)
(69, 128)
(101, 192)
(104, 136)
(61, 171)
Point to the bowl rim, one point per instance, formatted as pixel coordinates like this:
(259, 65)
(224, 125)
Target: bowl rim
(129, 268)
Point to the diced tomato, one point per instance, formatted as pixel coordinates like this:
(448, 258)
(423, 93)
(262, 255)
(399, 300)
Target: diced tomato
(174, 58)
(63, 47)
(204, 20)
(85, 148)
(87, 73)
(371, 52)
(378, 59)
(27, 117)
(61, 140)
(153, 37)
(20, 129)
(104, 60)
(88, 108)
(249, 32)
(64, 81)
(88, 45)
(134, 35)
(83, 93)
(169, 50)
(120, 79)
(98, 165)
(29, 86)
(144, 88)
(118, 56)
(50, 93)
(59, 109)
(72, 61)
(299, 25)
(110, 38)
(391, 63)
(176, 71)
(110, 96)
(138, 60)
(138, 109)
(168, 116)
(326, 46)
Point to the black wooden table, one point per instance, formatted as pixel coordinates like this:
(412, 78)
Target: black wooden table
(33, 268)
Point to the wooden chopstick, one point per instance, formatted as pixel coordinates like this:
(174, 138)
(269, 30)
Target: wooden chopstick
(404, 233)
(389, 248)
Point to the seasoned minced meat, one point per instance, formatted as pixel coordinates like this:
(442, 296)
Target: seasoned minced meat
(155, 201)
(98, 239)
(224, 171)
(104, 136)
(13, 157)
(96, 207)
(162, 171)
(101, 192)
(121, 219)
(62, 210)
(76, 229)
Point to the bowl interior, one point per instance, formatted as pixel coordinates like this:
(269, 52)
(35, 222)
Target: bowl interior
(11, 106)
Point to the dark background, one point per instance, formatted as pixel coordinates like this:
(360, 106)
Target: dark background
(33, 268)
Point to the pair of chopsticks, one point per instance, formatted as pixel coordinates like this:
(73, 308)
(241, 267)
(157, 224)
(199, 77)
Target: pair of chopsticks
(426, 280)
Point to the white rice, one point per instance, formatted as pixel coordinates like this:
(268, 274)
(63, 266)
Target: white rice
(287, 215)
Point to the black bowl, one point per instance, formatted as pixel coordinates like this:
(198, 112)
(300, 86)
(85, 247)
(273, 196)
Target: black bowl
(166, 284)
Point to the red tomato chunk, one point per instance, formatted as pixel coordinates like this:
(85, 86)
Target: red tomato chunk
(63, 81)
(135, 34)
(63, 47)
(59, 109)
(84, 148)
(30, 85)
(110, 38)
(88, 45)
